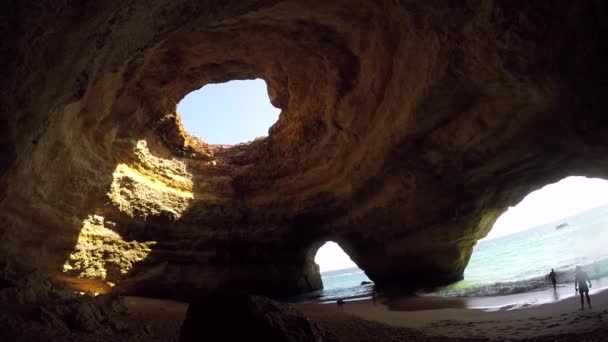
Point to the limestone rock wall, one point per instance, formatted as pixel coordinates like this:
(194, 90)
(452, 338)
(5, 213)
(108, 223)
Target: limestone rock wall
(406, 129)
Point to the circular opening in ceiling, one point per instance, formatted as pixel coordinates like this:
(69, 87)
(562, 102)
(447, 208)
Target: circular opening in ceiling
(228, 113)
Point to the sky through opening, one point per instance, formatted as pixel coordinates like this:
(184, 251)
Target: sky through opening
(228, 113)
(551, 203)
(331, 257)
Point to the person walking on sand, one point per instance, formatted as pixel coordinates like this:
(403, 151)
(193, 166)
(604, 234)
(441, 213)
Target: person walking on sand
(553, 276)
(580, 284)
(340, 303)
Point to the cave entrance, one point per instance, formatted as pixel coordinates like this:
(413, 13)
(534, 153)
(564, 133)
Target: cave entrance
(338, 271)
(228, 113)
(560, 226)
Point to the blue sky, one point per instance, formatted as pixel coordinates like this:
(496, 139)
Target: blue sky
(228, 113)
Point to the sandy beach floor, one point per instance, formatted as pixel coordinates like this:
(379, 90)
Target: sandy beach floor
(441, 317)
(418, 319)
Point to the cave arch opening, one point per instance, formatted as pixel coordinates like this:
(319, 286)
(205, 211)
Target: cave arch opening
(560, 226)
(338, 270)
(228, 113)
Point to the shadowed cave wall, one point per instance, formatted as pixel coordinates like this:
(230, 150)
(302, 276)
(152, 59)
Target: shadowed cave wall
(406, 129)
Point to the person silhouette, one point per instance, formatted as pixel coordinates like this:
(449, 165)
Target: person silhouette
(553, 276)
(340, 303)
(580, 284)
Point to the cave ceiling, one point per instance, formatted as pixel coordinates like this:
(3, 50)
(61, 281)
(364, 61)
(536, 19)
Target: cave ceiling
(406, 129)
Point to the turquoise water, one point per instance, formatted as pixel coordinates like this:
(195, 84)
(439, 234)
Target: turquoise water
(520, 262)
(345, 283)
(349, 277)
(510, 264)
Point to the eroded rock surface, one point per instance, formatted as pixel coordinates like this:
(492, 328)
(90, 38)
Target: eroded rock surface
(407, 128)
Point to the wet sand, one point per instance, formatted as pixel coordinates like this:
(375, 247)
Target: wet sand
(417, 319)
(456, 318)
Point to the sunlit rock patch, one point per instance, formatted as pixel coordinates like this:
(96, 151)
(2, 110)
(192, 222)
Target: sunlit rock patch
(101, 251)
(151, 186)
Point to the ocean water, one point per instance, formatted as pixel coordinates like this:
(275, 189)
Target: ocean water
(346, 278)
(510, 264)
(345, 283)
(520, 262)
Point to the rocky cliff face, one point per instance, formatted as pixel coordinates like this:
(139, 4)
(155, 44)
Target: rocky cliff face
(406, 129)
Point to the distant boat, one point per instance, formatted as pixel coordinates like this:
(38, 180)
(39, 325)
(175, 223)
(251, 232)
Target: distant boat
(561, 225)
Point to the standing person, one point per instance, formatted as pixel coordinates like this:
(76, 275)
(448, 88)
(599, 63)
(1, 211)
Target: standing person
(553, 276)
(340, 303)
(374, 297)
(580, 284)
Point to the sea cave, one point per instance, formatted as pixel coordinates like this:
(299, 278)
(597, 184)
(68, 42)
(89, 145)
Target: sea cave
(406, 129)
